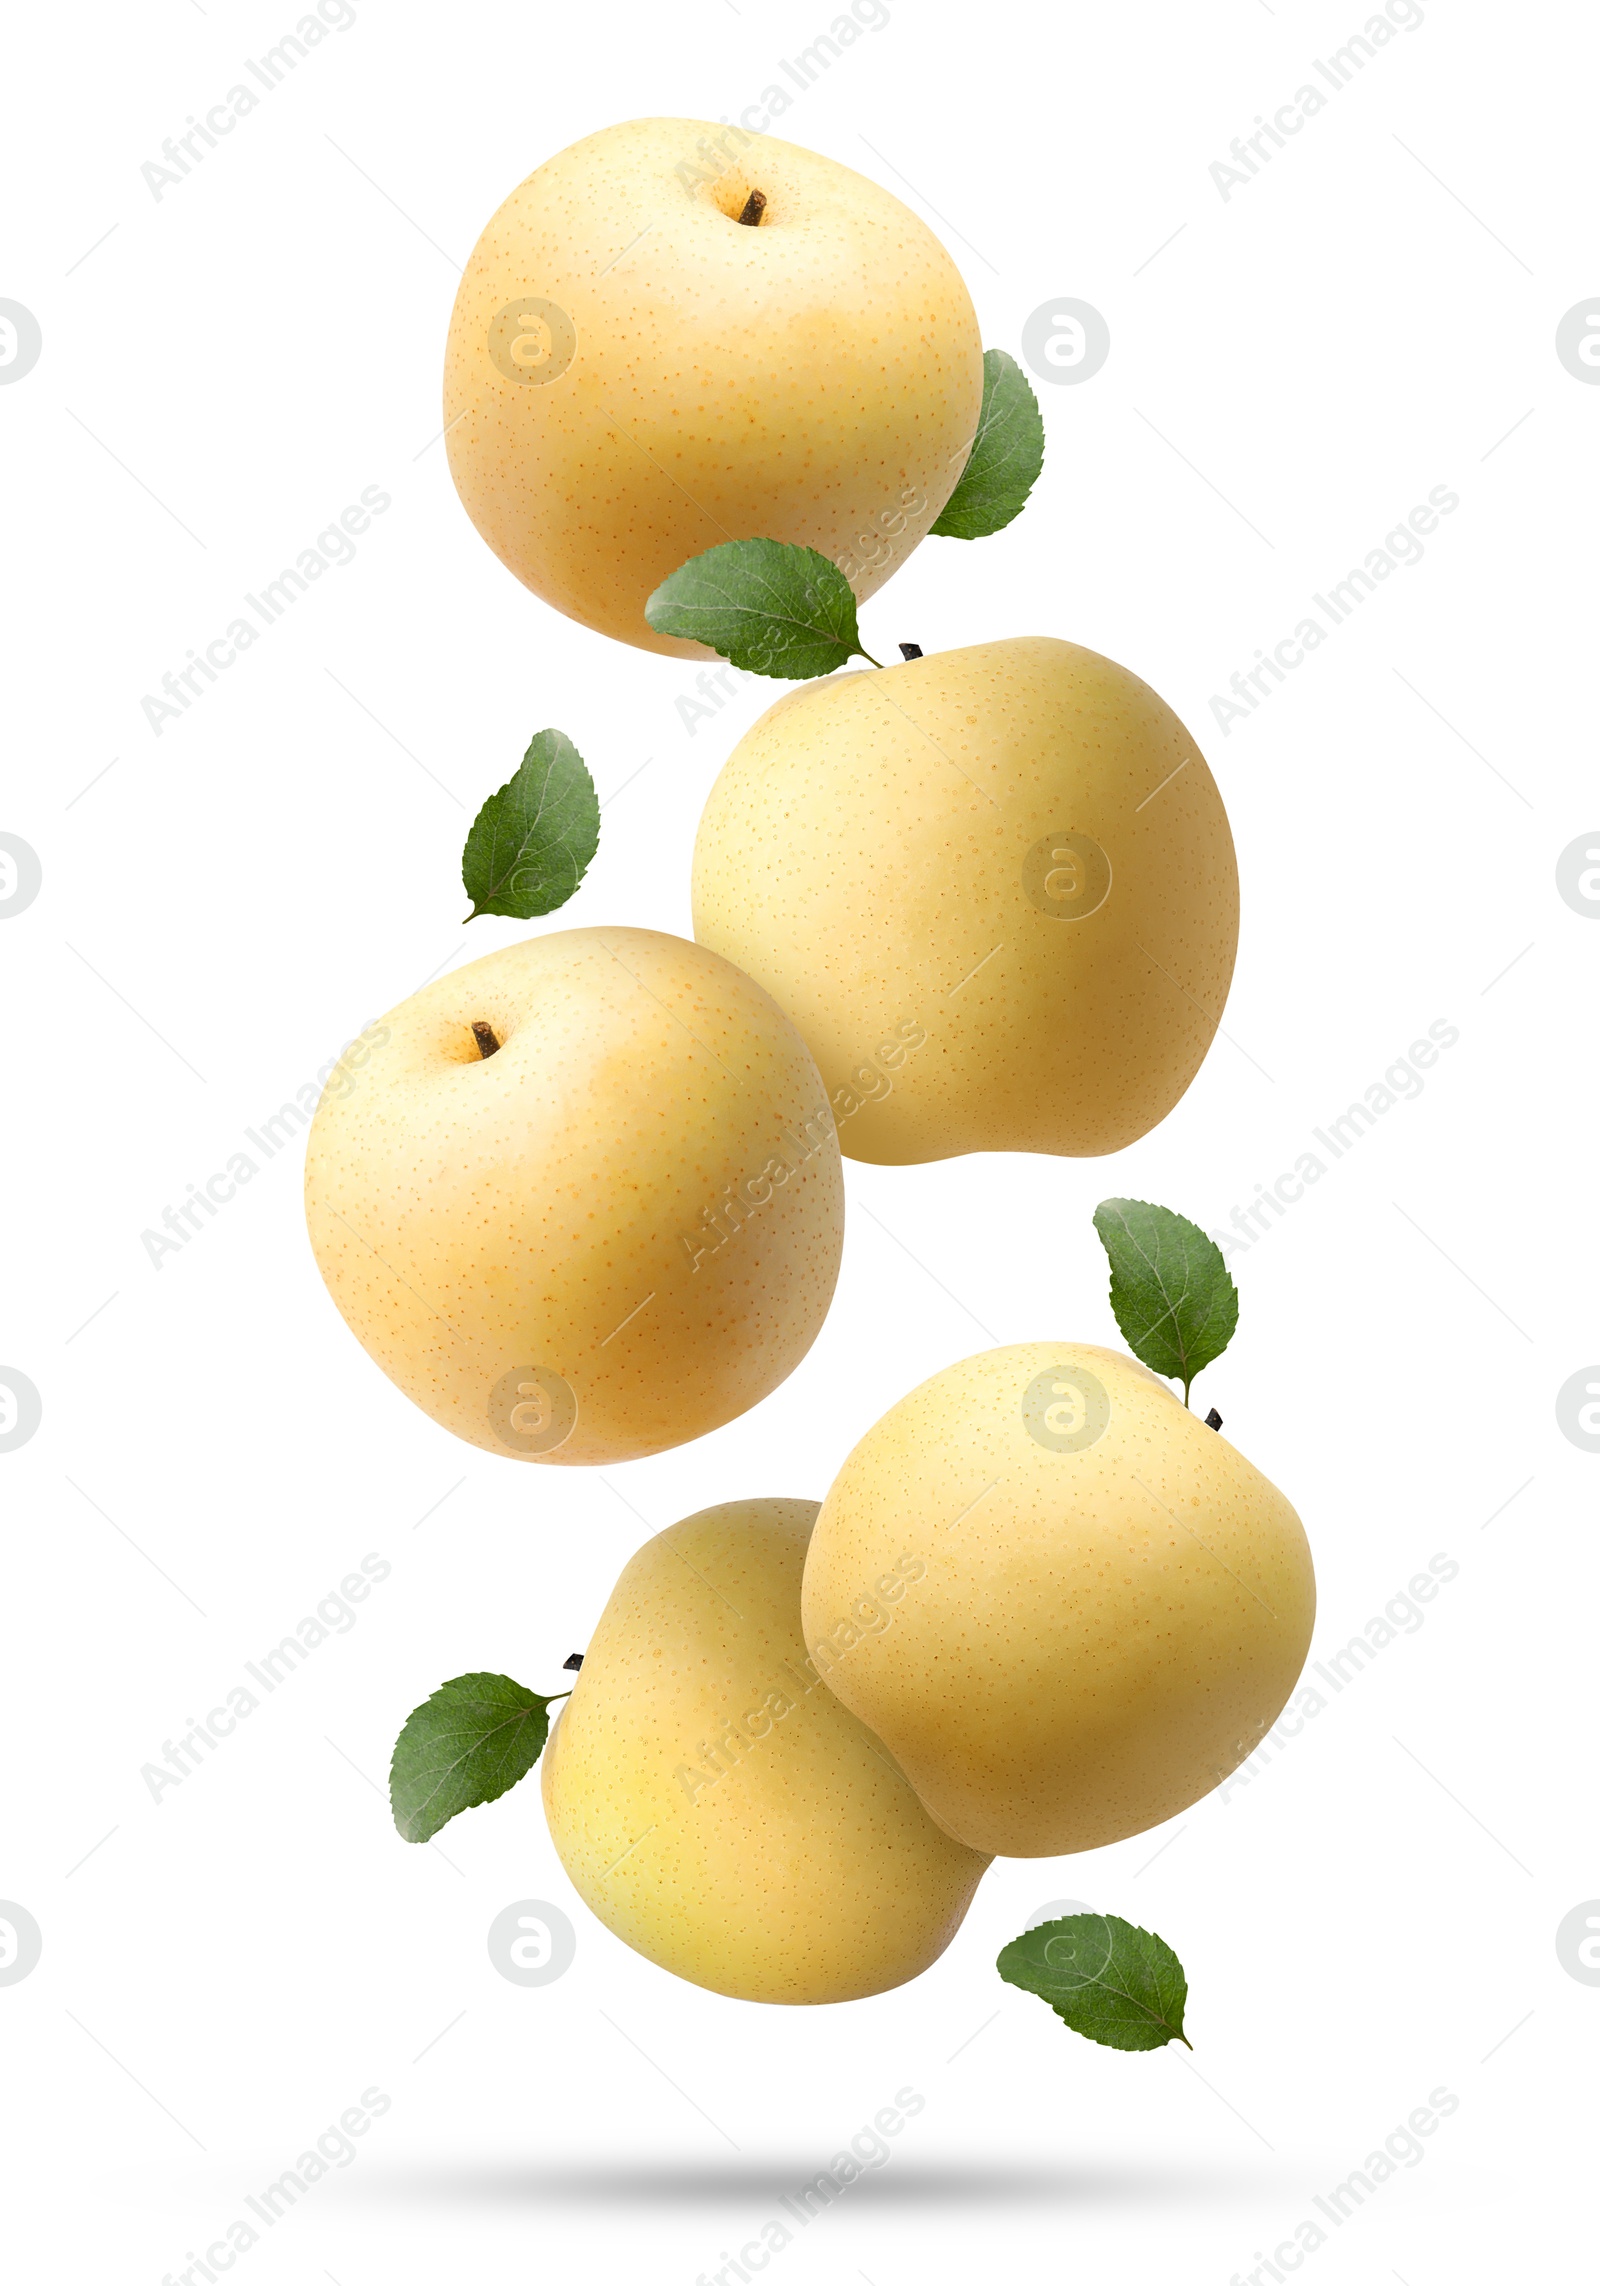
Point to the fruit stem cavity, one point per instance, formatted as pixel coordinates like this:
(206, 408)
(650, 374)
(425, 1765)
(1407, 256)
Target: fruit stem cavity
(487, 1043)
(755, 206)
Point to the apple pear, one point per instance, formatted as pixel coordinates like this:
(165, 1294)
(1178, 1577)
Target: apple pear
(580, 1199)
(1112, 1607)
(994, 887)
(674, 334)
(718, 1808)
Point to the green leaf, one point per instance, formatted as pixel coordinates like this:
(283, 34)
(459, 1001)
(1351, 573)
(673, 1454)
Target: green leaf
(531, 843)
(1170, 1288)
(770, 608)
(1104, 1978)
(468, 1744)
(1006, 457)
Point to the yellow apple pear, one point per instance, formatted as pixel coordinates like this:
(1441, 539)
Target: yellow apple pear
(674, 334)
(719, 1809)
(995, 889)
(1112, 1605)
(581, 1199)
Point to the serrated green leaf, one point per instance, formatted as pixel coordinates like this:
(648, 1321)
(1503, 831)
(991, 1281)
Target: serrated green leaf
(1104, 1977)
(468, 1744)
(1006, 457)
(1170, 1288)
(531, 843)
(769, 608)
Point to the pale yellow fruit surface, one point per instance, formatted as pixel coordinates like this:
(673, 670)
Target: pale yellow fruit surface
(634, 376)
(617, 1232)
(996, 890)
(716, 1806)
(1115, 1604)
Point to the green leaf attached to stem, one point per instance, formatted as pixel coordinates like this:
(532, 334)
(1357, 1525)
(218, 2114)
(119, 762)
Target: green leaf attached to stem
(1170, 1288)
(1006, 456)
(468, 1744)
(769, 608)
(1104, 1978)
(531, 843)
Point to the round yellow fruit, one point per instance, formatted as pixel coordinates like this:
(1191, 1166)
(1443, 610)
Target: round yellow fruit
(1112, 1605)
(996, 890)
(716, 1807)
(615, 1231)
(634, 375)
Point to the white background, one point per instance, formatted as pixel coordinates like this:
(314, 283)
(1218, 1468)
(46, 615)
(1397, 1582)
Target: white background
(1374, 1915)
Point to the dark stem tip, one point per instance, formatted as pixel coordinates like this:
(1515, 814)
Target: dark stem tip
(755, 206)
(487, 1043)
(571, 1664)
(911, 650)
(1213, 1419)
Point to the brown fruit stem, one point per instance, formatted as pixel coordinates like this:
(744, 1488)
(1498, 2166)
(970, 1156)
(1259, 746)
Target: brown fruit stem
(487, 1043)
(911, 650)
(755, 206)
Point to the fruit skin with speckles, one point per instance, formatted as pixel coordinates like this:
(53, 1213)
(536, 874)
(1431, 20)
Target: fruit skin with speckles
(677, 378)
(1115, 1609)
(994, 887)
(613, 1231)
(714, 1803)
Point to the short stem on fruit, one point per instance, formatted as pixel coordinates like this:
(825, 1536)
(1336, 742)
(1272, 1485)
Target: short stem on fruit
(911, 650)
(755, 206)
(487, 1043)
